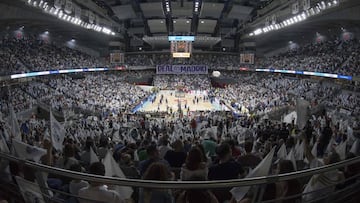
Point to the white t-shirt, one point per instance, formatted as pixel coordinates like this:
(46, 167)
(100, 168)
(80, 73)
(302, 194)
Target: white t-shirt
(74, 187)
(99, 194)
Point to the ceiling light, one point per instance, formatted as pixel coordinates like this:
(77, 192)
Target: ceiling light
(258, 31)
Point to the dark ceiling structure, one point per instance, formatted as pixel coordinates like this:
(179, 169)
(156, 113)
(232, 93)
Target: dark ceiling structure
(146, 23)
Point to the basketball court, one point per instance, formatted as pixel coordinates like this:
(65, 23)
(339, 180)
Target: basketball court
(170, 101)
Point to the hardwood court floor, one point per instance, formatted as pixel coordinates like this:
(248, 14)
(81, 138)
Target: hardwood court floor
(173, 102)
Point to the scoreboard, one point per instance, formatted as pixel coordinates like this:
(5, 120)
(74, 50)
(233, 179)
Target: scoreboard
(116, 58)
(247, 58)
(181, 46)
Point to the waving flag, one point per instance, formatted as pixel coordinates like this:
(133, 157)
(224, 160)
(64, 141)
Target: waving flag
(14, 124)
(355, 147)
(93, 157)
(299, 151)
(28, 152)
(57, 133)
(281, 154)
(291, 157)
(314, 149)
(112, 169)
(341, 150)
(262, 169)
(3, 145)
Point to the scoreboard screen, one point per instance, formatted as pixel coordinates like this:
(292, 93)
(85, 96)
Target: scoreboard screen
(247, 58)
(181, 46)
(116, 58)
(181, 49)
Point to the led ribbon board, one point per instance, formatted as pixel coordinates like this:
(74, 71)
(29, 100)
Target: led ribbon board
(181, 38)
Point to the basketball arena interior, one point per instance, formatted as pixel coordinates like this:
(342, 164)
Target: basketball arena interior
(179, 101)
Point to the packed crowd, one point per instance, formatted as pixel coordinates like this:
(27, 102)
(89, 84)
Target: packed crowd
(218, 61)
(108, 93)
(9, 62)
(333, 56)
(211, 135)
(330, 56)
(210, 146)
(195, 82)
(263, 94)
(32, 54)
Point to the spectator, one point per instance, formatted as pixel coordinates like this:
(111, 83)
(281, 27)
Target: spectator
(194, 165)
(156, 171)
(176, 157)
(98, 191)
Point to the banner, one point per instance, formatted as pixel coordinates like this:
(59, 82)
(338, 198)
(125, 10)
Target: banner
(181, 69)
(58, 3)
(91, 17)
(273, 19)
(295, 8)
(68, 7)
(267, 21)
(77, 11)
(306, 4)
(57, 133)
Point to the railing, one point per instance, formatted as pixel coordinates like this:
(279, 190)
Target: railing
(137, 183)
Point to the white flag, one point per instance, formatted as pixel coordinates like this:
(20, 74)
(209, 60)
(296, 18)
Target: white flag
(262, 169)
(57, 133)
(29, 190)
(93, 157)
(3, 145)
(116, 137)
(299, 151)
(355, 147)
(47, 135)
(330, 146)
(112, 169)
(281, 154)
(341, 150)
(291, 157)
(14, 124)
(314, 150)
(28, 152)
(136, 156)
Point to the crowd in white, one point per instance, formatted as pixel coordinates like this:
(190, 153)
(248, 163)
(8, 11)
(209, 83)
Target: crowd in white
(196, 82)
(32, 54)
(332, 56)
(207, 146)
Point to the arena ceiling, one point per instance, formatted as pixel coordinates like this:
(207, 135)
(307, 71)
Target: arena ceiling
(135, 20)
(154, 17)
